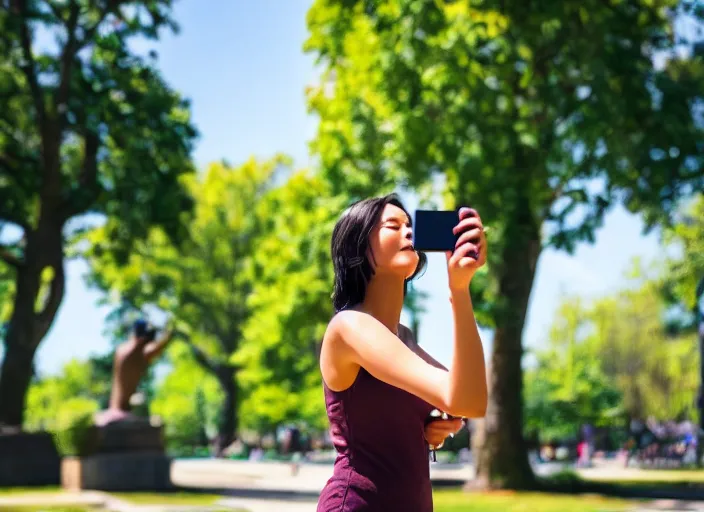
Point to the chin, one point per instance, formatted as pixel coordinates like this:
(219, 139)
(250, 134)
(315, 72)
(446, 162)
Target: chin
(407, 263)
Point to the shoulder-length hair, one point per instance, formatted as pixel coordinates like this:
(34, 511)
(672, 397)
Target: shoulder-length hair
(350, 246)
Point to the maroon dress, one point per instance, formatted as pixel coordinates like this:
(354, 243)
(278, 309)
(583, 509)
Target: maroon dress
(382, 459)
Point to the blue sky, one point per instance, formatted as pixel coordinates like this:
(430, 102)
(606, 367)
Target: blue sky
(242, 65)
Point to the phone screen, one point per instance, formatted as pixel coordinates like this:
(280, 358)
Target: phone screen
(432, 230)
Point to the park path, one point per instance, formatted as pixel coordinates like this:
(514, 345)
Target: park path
(268, 487)
(272, 487)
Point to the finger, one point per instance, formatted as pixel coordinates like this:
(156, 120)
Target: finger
(435, 439)
(457, 424)
(482, 254)
(467, 250)
(465, 224)
(444, 427)
(439, 435)
(472, 236)
(465, 212)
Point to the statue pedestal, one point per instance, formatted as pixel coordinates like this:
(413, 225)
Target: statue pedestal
(121, 456)
(28, 459)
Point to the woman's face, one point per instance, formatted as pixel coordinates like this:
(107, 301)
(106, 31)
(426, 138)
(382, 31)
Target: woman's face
(391, 244)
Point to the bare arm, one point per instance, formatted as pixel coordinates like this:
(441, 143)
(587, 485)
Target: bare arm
(155, 348)
(467, 369)
(358, 339)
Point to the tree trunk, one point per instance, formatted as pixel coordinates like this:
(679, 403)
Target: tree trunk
(501, 462)
(27, 326)
(227, 425)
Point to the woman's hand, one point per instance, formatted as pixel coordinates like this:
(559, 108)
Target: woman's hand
(437, 431)
(470, 250)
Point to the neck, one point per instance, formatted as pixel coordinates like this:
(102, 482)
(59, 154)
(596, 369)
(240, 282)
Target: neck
(384, 300)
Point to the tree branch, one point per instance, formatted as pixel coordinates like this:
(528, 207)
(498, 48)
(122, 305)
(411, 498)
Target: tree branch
(67, 58)
(56, 295)
(209, 319)
(20, 8)
(88, 188)
(198, 354)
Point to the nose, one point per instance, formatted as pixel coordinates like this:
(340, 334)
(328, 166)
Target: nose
(408, 233)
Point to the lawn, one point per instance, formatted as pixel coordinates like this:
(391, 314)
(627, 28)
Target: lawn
(646, 476)
(446, 500)
(21, 491)
(460, 501)
(43, 495)
(170, 498)
(45, 508)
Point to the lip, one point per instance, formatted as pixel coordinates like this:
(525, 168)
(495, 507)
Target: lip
(408, 248)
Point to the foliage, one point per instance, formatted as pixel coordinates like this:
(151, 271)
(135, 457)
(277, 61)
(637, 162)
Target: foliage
(188, 400)
(204, 281)
(249, 288)
(65, 404)
(86, 127)
(55, 402)
(291, 306)
(686, 266)
(456, 501)
(658, 374)
(416, 88)
(541, 116)
(609, 361)
(567, 387)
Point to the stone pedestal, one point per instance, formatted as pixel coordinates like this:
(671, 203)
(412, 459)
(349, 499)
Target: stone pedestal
(28, 459)
(125, 456)
(117, 472)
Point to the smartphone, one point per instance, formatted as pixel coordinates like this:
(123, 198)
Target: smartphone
(432, 230)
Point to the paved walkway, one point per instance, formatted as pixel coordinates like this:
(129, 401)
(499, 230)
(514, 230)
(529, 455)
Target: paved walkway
(265, 487)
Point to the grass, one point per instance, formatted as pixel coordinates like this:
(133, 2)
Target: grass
(43, 494)
(70, 509)
(21, 491)
(45, 508)
(460, 501)
(650, 476)
(169, 498)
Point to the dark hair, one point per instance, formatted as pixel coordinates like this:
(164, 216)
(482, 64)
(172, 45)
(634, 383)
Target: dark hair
(349, 247)
(143, 330)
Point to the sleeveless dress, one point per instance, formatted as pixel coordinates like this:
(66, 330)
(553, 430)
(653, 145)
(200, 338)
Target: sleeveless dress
(382, 459)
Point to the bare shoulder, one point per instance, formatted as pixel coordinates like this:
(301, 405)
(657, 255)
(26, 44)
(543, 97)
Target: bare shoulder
(347, 322)
(336, 366)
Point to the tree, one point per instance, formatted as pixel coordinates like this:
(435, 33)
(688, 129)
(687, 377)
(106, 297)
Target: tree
(539, 115)
(567, 387)
(189, 401)
(291, 306)
(58, 402)
(206, 280)
(86, 126)
(657, 373)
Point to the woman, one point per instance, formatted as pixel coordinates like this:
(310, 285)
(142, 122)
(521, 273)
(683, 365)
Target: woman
(380, 386)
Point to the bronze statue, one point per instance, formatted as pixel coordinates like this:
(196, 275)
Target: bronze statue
(132, 359)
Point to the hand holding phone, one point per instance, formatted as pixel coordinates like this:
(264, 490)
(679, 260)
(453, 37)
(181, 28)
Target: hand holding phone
(440, 230)
(460, 235)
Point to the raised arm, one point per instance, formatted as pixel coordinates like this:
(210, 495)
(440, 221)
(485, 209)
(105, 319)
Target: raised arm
(154, 349)
(355, 339)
